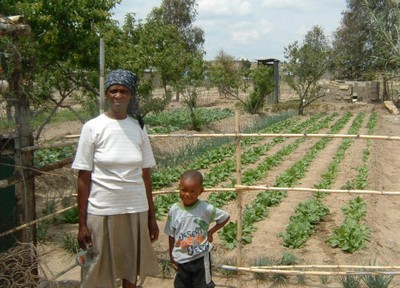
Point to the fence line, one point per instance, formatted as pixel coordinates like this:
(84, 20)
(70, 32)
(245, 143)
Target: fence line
(237, 188)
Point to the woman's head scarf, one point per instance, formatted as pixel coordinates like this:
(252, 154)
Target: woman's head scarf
(127, 79)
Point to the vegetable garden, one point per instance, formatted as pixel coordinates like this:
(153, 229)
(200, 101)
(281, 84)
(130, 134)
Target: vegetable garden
(305, 194)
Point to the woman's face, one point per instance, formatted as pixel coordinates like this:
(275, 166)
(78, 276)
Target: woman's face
(118, 98)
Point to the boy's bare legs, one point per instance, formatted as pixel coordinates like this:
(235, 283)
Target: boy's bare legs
(127, 284)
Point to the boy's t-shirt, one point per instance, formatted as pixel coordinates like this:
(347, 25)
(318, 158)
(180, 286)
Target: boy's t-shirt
(189, 227)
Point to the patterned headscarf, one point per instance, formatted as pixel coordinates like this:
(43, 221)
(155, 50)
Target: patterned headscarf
(127, 79)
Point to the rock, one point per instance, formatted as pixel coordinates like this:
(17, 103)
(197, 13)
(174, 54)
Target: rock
(391, 107)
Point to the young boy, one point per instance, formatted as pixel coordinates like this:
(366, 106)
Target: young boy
(189, 234)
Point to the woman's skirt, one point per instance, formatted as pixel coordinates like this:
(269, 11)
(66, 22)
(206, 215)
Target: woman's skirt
(124, 250)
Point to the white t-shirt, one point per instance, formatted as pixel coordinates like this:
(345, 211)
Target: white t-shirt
(189, 227)
(115, 151)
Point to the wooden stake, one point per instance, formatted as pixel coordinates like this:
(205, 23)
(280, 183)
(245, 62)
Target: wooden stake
(239, 196)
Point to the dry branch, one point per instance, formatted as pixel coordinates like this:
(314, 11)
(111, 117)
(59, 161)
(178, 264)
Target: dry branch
(26, 225)
(35, 172)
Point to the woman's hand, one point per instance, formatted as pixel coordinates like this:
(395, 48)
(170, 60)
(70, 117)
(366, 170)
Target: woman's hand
(84, 237)
(153, 229)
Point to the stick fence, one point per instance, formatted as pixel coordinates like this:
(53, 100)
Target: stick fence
(242, 189)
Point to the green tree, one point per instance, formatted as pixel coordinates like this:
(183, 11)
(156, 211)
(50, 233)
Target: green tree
(306, 64)
(245, 73)
(263, 82)
(351, 54)
(384, 17)
(367, 42)
(225, 75)
(182, 14)
(190, 83)
(63, 43)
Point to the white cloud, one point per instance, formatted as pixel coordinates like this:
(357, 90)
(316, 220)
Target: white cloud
(245, 31)
(245, 36)
(266, 26)
(224, 7)
(286, 4)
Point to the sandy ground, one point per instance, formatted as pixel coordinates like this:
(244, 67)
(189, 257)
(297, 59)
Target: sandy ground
(383, 215)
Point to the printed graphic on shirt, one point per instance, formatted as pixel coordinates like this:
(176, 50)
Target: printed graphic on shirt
(194, 242)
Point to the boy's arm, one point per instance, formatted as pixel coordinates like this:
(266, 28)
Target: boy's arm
(216, 228)
(171, 242)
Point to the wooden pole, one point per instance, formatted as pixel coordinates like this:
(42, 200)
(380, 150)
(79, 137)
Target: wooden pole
(315, 273)
(101, 88)
(306, 189)
(25, 190)
(267, 135)
(272, 135)
(239, 197)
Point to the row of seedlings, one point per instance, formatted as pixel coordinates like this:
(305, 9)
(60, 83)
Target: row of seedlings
(258, 209)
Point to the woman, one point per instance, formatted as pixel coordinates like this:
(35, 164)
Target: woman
(116, 209)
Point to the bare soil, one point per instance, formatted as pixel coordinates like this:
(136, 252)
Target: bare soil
(383, 214)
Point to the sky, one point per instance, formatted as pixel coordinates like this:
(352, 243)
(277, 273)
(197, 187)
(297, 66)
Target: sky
(252, 29)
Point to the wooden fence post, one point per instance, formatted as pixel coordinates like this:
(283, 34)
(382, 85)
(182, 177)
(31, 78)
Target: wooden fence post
(239, 197)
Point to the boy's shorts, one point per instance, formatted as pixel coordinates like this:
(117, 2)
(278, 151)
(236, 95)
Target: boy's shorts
(194, 274)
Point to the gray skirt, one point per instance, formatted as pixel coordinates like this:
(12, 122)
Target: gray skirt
(124, 250)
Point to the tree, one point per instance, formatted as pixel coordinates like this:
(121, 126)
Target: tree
(351, 54)
(306, 64)
(263, 82)
(190, 83)
(225, 74)
(368, 40)
(64, 40)
(384, 18)
(182, 14)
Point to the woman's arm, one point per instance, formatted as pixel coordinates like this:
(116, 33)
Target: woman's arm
(84, 235)
(153, 227)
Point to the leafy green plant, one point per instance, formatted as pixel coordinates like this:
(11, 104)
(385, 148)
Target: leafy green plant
(48, 156)
(260, 262)
(302, 223)
(377, 281)
(350, 236)
(301, 280)
(169, 121)
(70, 243)
(349, 281)
(41, 229)
(324, 279)
(166, 268)
(70, 216)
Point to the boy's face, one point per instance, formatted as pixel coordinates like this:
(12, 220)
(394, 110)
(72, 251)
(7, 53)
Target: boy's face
(189, 190)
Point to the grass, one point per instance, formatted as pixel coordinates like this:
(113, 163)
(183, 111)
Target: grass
(69, 242)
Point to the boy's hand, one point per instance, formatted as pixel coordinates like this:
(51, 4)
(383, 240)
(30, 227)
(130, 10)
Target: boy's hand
(210, 237)
(174, 265)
